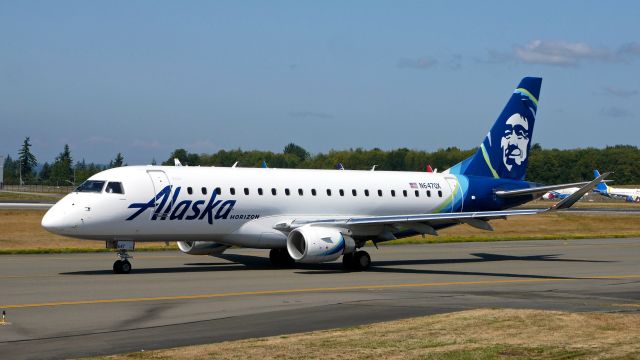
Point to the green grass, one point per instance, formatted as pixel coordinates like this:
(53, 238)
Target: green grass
(467, 335)
(73, 250)
(508, 352)
(15, 196)
(474, 238)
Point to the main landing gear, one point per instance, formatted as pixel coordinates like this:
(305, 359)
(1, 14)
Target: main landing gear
(356, 261)
(122, 265)
(281, 258)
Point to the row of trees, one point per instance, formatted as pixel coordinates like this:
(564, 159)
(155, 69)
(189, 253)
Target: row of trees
(62, 171)
(551, 166)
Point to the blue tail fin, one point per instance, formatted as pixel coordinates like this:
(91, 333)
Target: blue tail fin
(601, 187)
(504, 152)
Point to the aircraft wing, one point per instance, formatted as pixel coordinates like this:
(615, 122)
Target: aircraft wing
(425, 223)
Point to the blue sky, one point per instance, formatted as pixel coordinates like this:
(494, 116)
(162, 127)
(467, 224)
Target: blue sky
(146, 77)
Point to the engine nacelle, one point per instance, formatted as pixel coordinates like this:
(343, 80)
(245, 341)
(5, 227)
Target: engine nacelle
(316, 244)
(201, 247)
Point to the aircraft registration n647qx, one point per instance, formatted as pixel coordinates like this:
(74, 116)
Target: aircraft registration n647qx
(308, 216)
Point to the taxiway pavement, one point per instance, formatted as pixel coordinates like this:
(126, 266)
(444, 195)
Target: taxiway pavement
(62, 306)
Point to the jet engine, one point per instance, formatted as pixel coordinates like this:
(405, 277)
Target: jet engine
(316, 244)
(201, 247)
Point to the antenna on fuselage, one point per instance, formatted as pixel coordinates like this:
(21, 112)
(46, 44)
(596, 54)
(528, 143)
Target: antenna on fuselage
(373, 168)
(176, 162)
(234, 164)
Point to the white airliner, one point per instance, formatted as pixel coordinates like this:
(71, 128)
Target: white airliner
(560, 193)
(628, 194)
(307, 216)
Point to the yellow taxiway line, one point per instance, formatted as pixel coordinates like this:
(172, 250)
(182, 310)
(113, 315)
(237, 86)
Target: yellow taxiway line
(309, 290)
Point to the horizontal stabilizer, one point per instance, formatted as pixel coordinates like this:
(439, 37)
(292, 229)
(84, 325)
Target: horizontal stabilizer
(571, 199)
(539, 190)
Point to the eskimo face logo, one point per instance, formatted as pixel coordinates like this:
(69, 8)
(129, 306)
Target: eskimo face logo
(515, 141)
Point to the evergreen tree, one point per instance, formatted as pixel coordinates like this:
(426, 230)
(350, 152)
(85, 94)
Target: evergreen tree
(117, 162)
(26, 160)
(296, 150)
(62, 171)
(10, 171)
(45, 173)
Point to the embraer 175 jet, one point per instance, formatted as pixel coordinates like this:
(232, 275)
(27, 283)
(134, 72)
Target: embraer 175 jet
(628, 194)
(308, 216)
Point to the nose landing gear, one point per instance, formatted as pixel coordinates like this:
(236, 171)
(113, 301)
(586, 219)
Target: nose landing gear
(122, 265)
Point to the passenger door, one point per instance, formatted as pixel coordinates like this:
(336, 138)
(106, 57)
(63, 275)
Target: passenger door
(159, 180)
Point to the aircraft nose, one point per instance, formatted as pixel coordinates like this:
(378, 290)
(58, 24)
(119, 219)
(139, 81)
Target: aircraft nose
(52, 221)
(58, 221)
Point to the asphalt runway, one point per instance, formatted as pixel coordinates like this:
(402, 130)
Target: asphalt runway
(62, 306)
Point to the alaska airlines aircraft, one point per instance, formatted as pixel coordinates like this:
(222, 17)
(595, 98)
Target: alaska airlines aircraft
(630, 195)
(308, 216)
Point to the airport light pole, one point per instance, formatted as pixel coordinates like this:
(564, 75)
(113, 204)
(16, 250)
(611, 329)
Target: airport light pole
(1, 172)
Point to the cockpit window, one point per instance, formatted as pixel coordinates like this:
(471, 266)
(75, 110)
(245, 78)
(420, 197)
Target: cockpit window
(91, 186)
(114, 188)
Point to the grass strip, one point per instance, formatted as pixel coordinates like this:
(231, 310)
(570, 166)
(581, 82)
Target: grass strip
(472, 334)
(73, 250)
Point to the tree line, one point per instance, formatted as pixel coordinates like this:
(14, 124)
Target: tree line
(62, 171)
(550, 166)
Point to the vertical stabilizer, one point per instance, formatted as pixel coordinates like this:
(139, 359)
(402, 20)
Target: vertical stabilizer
(504, 152)
(602, 187)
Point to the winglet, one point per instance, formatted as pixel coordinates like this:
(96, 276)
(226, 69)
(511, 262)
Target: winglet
(571, 199)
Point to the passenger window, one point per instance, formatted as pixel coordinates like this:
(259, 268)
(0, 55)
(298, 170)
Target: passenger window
(366, 192)
(313, 192)
(300, 192)
(114, 188)
(328, 192)
(341, 192)
(417, 193)
(440, 193)
(189, 190)
(204, 191)
(218, 191)
(246, 191)
(273, 191)
(232, 191)
(259, 191)
(354, 192)
(286, 192)
(393, 193)
(428, 193)
(379, 192)
(404, 192)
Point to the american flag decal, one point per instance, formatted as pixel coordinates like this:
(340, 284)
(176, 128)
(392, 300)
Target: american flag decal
(413, 185)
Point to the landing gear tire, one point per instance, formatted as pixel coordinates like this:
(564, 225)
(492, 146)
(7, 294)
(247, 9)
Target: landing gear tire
(117, 267)
(125, 267)
(347, 261)
(358, 261)
(280, 258)
(122, 265)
